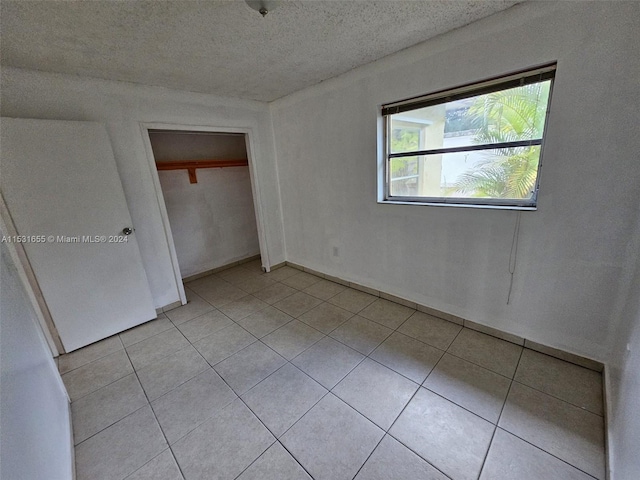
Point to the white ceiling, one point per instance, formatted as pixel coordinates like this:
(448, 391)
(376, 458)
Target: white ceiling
(222, 47)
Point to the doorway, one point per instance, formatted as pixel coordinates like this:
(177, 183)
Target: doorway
(206, 184)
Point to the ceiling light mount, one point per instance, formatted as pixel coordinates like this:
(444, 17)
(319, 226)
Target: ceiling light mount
(262, 6)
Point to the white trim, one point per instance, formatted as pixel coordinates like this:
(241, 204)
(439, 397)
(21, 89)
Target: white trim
(163, 212)
(255, 188)
(606, 390)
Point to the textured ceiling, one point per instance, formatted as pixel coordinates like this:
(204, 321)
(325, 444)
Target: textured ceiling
(222, 47)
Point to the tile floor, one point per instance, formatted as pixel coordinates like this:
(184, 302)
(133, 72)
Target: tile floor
(288, 376)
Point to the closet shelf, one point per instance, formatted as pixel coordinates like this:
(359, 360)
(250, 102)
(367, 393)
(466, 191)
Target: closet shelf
(191, 165)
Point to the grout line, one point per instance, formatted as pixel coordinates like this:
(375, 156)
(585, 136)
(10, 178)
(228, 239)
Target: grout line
(117, 335)
(583, 409)
(370, 455)
(153, 412)
(106, 385)
(294, 457)
(402, 443)
(150, 336)
(543, 450)
(110, 425)
(147, 463)
(504, 404)
(239, 397)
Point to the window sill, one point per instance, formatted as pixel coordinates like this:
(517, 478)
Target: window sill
(462, 205)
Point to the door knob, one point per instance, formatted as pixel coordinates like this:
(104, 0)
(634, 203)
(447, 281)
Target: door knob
(127, 231)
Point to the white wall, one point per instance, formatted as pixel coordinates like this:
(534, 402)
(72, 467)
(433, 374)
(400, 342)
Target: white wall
(212, 221)
(624, 398)
(180, 146)
(623, 379)
(123, 107)
(572, 260)
(34, 407)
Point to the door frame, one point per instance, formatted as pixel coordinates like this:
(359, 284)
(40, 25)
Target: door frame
(255, 188)
(30, 283)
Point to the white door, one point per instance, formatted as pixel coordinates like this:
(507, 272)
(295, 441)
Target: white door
(61, 185)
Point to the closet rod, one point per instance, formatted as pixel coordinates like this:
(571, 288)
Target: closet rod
(191, 165)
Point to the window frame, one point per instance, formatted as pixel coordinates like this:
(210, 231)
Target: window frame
(495, 84)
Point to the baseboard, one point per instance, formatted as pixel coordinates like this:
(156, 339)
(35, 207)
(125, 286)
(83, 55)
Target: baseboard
(277, 266)
(171, 306)
(222, 268)
(473, 325)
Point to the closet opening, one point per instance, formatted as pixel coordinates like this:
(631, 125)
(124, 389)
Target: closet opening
(205, 181)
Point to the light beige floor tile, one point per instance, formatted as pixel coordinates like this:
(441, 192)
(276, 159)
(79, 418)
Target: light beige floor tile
(249, 366)
(361, 334)
(393, 461)
(171, 371)
(326, 317)
(292, 339)
(204, 325)
(243, 307)
(566, 381)
(432, 330)
(487, 351)
(237, 275)
(265, 321)
(274, 293)
(557, 427)
(280, 400)
(221, 294)
(297, 304)
(275, 464)
(163, 467)
(300, 280)
(407, 356)
(253, 284)
(96, 411)
(254, 266)
(512, 458)
(475, 388)
(97, 374)
(149, 351)
(376, 392)
(183, 409)
(120, 449)
(281, 273)
(224, 343)
(352, 300)
(387, 313)
(452, 439)
(328, 361)
(195, 307)
(332, 441)
(95, 351)
(324, 289)
(146, 330)
(224, 446)
(205, 283)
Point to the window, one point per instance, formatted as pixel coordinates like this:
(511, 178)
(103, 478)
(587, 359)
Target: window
(479, 144)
